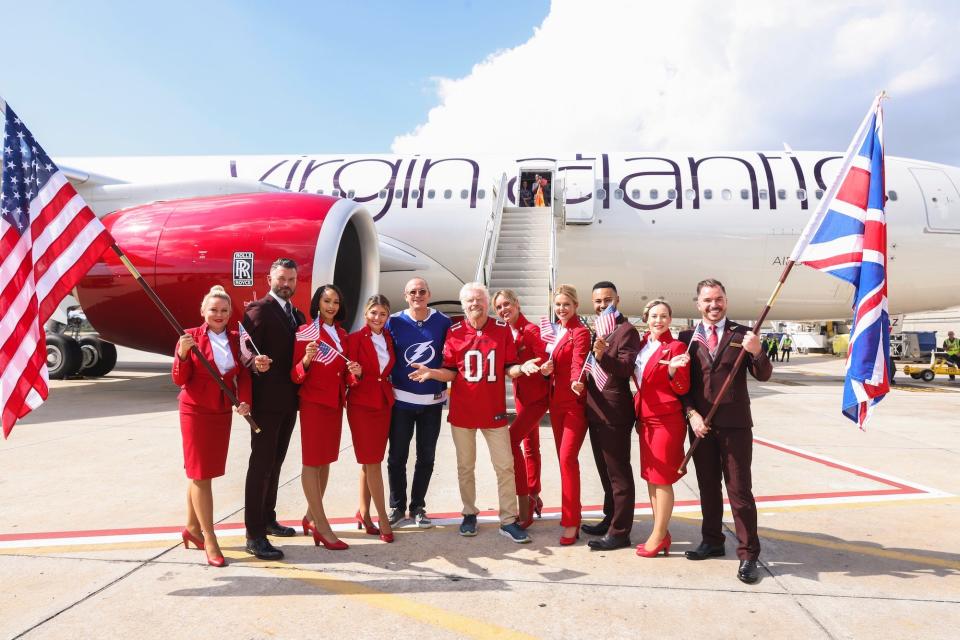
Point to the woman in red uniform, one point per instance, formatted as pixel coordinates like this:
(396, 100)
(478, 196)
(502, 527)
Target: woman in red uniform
(205, 415)
(662, 373)
(368, 410)
(568, 403)
(323, 388)
(531, 394)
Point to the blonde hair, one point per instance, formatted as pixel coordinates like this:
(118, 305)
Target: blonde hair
(567, 290)
(509, 294)
(376, 300)
(650, 305)
(216, 291)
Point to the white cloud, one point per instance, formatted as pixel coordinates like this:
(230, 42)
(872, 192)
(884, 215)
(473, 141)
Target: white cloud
(627, 75)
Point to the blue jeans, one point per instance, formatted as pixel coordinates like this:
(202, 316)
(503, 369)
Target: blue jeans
(425, 422)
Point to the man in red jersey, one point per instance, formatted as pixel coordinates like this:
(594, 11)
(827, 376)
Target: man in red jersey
(478, 355)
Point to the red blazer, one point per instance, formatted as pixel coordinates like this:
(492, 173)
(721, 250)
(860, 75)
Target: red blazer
(197, 386)
(324, 384)
(374, 389)
(658, 394)
(568, 358)
(529, 389)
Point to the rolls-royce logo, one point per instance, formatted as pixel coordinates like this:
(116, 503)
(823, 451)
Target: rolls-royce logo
(419, 353)
(243, 269)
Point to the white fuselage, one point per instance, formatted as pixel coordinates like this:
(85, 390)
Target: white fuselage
(731, 216)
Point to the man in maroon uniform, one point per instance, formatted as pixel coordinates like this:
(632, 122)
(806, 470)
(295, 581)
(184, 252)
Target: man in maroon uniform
(478, 354)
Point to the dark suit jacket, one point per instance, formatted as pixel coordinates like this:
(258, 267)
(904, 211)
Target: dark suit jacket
(708, 374)
(265, 321)
(614, 403)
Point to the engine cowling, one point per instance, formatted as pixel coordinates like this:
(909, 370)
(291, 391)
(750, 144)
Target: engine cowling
(183, 247)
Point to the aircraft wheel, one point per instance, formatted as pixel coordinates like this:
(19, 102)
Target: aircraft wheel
(915, 376)
(99, 357)
(64, 356)
(927, 375)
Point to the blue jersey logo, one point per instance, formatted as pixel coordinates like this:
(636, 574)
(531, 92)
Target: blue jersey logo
(419, 353)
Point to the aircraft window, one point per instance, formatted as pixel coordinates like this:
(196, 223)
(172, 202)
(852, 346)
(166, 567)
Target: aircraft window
(689, 194)
(319, 192)
(671, 194)
(601, 194)
(801, 194)
(819, 193)
(398, 193)
(463, 194)
(763, 194)
(708, 194)
(447, 194)
(892, 195)
(726, 194)
(481, 194)
(431, 193)
(351, 193)
(635, 194)
(618, 194)
(744, 194)
(335, 193)
(654, 194)
(415, 193)
(382, 194)
(781, 194)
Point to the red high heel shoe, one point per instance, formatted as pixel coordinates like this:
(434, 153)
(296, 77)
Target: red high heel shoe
(566, 542)
(664, 546)
(387, 537)
(307, 527)
(218, 562)
(188, 538)
(371, 530)
(524, 524)
(318, 539)
(538, 509)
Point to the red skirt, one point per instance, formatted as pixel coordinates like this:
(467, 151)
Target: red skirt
(369, 429)
(661, 447)
(320, 428)
(206, 438)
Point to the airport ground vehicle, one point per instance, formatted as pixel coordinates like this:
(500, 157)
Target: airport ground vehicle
(927, 372)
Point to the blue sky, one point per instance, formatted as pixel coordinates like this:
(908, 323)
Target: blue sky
(118, 78)
(108, 78)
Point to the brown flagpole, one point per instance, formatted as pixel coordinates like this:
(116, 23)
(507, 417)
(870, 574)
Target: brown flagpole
(682, 470)
(179, 329)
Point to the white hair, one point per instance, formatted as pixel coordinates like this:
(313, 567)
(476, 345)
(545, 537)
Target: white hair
(473, 286)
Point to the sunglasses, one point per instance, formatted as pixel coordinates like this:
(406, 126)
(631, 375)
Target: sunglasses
(417, 292)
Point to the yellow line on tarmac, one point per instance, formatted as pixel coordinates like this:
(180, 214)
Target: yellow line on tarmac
(460, 625)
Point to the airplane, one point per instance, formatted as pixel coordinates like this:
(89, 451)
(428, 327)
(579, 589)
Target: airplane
(654, 223)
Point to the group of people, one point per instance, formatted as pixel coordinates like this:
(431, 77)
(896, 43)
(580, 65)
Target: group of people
(782, 346)
(392, 375)
(535, 193)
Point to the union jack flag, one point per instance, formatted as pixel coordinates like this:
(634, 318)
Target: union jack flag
(593, 367)
(547, 332)
(606, 322)
(847, 238)
(49, 239)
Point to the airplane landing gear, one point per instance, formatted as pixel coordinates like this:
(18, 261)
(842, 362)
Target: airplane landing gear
(99, 357)
(64, 356)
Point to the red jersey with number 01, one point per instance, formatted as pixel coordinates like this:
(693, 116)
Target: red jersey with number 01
(480, 358)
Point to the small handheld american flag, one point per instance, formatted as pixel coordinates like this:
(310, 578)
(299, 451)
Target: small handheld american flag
(593, 367)
(326, 354)
(245, 343)
(699, 335)
(547, 332)
(606, 322)
(311, 332)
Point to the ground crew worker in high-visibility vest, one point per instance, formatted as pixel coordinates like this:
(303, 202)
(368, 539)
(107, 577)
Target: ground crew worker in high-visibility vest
(952, 346)
(786, 346)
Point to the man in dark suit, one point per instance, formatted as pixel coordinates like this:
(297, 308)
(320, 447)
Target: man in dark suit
(272, 323)
(726, 449)
(610, 419)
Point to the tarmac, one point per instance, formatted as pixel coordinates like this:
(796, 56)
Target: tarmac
(859, 533)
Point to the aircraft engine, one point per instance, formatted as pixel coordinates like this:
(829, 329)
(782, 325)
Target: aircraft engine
(183, 247)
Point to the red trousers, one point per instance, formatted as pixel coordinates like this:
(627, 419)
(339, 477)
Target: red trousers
(569, 424)
(526, 429)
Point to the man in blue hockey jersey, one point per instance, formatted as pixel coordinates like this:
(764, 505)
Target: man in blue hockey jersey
(418, 334)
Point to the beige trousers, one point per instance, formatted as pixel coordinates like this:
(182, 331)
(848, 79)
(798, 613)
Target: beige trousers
(501, 455)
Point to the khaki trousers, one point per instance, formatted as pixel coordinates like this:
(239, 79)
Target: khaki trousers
(501, 455)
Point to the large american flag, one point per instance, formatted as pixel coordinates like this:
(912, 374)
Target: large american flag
(606, 322)
(49, 239)
(847, 238)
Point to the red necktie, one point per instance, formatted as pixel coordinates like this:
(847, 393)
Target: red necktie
(712, 339)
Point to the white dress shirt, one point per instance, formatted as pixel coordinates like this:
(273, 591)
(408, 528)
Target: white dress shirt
(222, 355)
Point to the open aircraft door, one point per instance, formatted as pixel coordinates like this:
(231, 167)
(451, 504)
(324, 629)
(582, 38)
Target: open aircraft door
(578, 180)
(941, 199)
